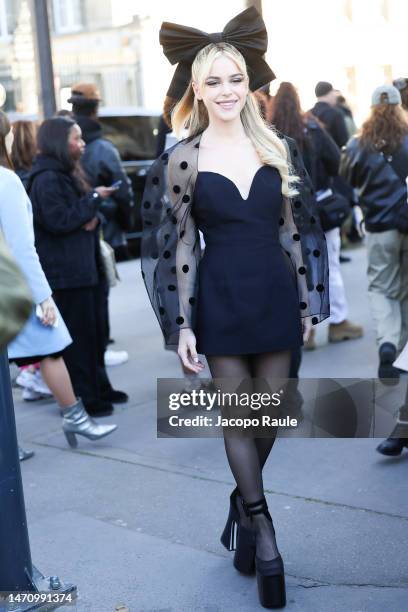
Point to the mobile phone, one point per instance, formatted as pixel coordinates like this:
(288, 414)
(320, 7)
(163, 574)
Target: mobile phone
(116, 184)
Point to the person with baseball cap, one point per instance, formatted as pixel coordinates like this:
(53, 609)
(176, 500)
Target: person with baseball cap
(375, 162)
(101, 162)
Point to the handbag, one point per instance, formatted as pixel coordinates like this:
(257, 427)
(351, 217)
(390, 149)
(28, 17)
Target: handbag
(15, 298)
(333, 208)
(109, 263)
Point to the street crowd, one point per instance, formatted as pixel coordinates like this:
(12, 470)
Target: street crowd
(66, 204)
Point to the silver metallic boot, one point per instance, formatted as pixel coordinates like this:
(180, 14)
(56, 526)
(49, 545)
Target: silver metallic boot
(24, 454)
(76, 421)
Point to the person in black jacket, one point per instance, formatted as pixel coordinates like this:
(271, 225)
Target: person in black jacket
(402, 85)
(321, 156)
(65, 225)
(102, 165)
(326, 110)
(375, 162)
(332, 119)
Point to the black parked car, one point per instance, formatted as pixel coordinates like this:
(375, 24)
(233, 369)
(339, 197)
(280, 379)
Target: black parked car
(133, 131)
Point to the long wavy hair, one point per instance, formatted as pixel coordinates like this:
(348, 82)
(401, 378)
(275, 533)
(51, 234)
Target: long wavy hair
(385, 128)
(287, 115)
(24, 144)
(52, 141)
(191, 113)
(5, 128)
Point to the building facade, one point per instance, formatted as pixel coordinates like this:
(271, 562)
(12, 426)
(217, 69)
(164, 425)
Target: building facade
(355, 44)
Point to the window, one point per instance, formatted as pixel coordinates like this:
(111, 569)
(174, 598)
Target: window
(385, 9)
(9, 10)
(67, 16)
(348, 9)
(351, 80)
(387, 70)
(3, 19)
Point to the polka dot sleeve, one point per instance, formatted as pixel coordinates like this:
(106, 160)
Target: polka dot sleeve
(170, 242)
(304, 241)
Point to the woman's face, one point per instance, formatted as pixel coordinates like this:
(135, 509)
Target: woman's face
(224, 90)
(76, 145)
(9, 141)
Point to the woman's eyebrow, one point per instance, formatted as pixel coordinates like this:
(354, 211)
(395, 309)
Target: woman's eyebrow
(230, 76)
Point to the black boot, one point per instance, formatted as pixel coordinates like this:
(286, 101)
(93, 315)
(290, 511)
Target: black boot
(388, 354)
(99, 408)
(114, 396)
(23, 455)
(270, 574)
(392, 447)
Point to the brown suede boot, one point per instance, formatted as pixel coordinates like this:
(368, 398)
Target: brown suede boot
(344, 331)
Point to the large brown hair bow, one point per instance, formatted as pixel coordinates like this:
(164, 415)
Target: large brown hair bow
(246, 32)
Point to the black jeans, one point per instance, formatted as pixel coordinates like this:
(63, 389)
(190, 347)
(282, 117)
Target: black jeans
(84, 317)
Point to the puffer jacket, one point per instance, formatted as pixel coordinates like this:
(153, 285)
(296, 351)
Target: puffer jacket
(379, 180)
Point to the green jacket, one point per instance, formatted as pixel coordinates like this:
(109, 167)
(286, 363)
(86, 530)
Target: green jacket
(15, 297)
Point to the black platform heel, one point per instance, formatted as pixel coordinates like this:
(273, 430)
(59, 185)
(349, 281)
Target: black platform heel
(239, 538)
(270, 574)
(244, 558)
(229, 535)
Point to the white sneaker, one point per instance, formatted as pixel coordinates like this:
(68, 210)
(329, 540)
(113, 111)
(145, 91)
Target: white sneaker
(29, 395)
(114, 358)
(25, 379)
(40, 386)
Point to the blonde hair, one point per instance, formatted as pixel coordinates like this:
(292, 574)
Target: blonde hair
(191, 113)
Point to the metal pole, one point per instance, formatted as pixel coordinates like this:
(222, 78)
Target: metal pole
(42, 45)
(15, 558)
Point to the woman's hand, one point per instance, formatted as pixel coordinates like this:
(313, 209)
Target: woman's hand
(91, 225)
(104, 192)
(49, 313)
(307, 328)
(187, 351)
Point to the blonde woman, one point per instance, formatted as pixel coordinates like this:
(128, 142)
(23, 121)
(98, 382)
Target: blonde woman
(265, 262)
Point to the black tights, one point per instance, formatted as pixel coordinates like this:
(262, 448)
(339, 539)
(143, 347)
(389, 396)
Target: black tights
(247, 456)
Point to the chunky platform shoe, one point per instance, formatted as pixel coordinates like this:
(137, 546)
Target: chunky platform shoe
(270, 574)
(228, 536)
(392, 447)
(239, 538)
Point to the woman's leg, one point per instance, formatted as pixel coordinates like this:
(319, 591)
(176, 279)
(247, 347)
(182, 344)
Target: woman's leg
(263, 367)
(269, 370)
(242, 453)
(77, 310)
(56, 376)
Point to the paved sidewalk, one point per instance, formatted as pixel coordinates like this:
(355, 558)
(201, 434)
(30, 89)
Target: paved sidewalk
(136, 520)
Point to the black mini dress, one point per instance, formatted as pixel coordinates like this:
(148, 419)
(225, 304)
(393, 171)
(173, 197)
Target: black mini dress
(247, 294)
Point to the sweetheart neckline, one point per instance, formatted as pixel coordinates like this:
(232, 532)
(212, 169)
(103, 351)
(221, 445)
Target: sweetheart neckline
(231, 181)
